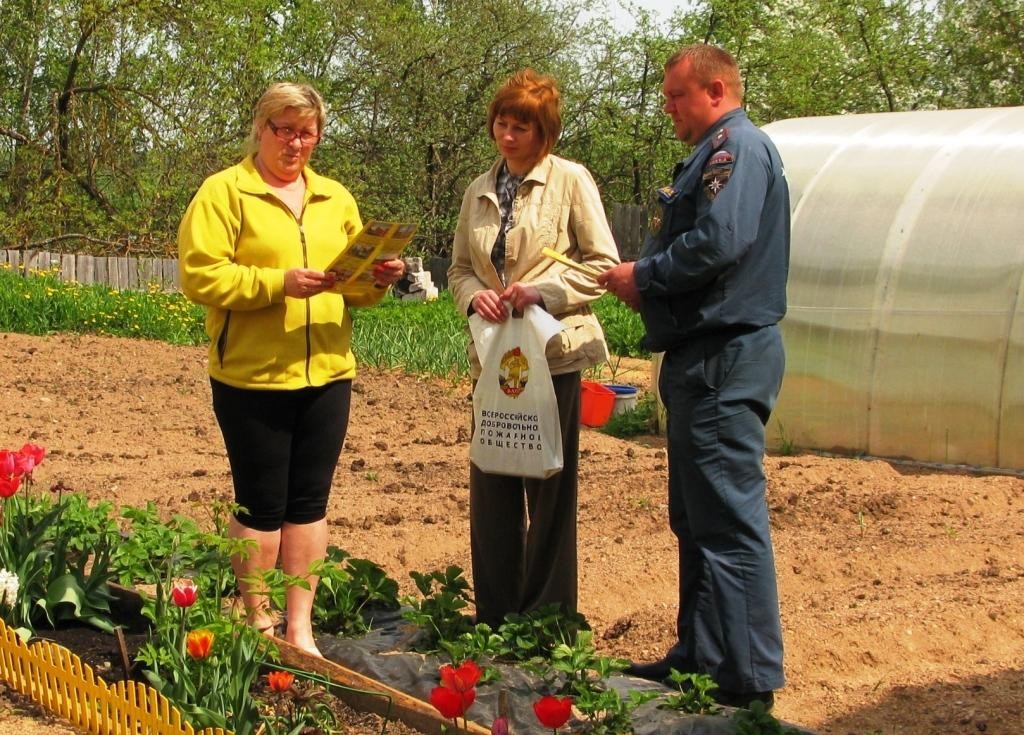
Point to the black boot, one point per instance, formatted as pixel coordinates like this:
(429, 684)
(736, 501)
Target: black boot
(654, 671)
(743, 700)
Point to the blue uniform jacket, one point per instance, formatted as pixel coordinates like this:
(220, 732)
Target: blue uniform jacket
(719, 257)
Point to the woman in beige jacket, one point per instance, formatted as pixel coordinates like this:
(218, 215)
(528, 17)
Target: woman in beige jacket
(522, 530)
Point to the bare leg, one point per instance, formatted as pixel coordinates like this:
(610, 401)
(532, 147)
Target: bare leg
(301, 545)
(261, 558)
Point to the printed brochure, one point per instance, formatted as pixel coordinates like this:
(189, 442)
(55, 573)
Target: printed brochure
(376, 242)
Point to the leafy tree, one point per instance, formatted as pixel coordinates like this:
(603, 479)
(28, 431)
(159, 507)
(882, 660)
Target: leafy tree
(412, 101)
(113, 111)
(981, 52)
(107, 121)
(614, 121)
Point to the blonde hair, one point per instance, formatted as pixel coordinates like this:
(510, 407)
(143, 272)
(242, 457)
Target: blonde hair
(710, 63)
(280, 96)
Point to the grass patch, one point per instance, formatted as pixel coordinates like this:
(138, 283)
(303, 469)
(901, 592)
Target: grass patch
(623, 327)
(43, 304)
(421, 338)
(635, 421)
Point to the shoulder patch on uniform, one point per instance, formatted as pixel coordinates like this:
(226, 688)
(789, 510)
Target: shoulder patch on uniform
(720, 158)
(719, 138)
(718, 169)
(714, 182)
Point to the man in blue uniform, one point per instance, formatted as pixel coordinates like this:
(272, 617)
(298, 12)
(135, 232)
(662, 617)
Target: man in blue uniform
(710, 283)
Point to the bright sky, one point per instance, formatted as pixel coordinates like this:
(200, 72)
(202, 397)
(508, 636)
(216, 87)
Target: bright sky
(661, 9)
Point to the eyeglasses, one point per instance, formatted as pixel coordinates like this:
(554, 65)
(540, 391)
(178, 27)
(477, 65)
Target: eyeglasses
(286, 134)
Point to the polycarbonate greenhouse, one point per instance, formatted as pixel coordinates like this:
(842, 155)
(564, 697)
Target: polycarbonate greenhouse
(905, 331)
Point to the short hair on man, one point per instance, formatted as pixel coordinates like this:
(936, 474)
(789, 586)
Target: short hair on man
(709, 63)
(531, 98)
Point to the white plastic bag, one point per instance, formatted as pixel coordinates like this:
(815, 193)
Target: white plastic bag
(517, 431)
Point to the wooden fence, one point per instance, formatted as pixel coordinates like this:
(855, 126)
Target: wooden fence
(120, 272)
(57, 680)
(628, 223)
(629, 227)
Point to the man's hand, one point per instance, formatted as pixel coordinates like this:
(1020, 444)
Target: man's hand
(621, 282)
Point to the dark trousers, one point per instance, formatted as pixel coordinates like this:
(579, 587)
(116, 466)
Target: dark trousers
(719, 391)
(523, 530)
(283, 447)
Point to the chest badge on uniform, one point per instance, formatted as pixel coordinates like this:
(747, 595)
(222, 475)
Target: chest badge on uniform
(661, 197)
(720, 137)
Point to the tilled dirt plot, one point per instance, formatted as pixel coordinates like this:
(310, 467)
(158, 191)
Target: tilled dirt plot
(901, 587)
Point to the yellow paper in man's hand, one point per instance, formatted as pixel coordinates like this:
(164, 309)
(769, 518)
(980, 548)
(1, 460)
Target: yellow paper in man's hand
(581, 267)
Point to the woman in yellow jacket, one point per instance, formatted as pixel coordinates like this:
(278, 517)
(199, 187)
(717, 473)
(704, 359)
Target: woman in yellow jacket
(254, 245)
(523, 531)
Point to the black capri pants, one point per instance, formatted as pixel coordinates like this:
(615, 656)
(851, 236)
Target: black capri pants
(283, 447)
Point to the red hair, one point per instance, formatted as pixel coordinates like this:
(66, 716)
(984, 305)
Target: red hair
(530, 98)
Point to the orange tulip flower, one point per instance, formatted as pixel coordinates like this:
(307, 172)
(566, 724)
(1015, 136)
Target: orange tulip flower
(199, 643)
(280, 681)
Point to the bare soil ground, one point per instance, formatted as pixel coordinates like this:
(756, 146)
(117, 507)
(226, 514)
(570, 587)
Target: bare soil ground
(901, 586)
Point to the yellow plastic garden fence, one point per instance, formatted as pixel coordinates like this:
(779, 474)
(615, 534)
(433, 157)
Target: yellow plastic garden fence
(57, 680)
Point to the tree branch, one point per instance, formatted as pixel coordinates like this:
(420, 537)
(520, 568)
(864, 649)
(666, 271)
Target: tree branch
(37, 244)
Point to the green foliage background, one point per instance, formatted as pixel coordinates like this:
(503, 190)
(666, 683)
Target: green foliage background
(113, 111)
(420, 337)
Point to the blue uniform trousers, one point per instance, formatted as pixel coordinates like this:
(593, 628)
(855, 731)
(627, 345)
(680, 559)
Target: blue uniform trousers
(719, 391)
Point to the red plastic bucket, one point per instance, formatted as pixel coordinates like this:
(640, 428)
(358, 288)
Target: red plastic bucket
(596, 404)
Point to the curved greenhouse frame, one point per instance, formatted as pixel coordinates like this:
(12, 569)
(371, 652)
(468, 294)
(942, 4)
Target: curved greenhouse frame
(905, 331)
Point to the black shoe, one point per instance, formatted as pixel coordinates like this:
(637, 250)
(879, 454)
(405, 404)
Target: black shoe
(654, 671)
(743, 700)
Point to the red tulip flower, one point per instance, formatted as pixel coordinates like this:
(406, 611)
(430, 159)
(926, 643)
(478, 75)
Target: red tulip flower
(552, 711)
(184, 593)
(9, 484)
(460, 679)
(8, 462)
(280, 681)
(199, 643)
(456, 693)
(450, 703)
(30, 456)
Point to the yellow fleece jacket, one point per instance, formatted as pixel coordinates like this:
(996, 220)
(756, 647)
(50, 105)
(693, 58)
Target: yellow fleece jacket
(235, 243)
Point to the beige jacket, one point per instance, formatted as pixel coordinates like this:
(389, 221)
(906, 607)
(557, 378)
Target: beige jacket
(557, 206)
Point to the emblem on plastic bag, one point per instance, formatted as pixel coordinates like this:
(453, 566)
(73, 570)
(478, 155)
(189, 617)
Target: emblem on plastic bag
(516, 431)
(513, 372)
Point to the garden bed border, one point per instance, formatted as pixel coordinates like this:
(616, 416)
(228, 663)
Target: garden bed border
(58, 681)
